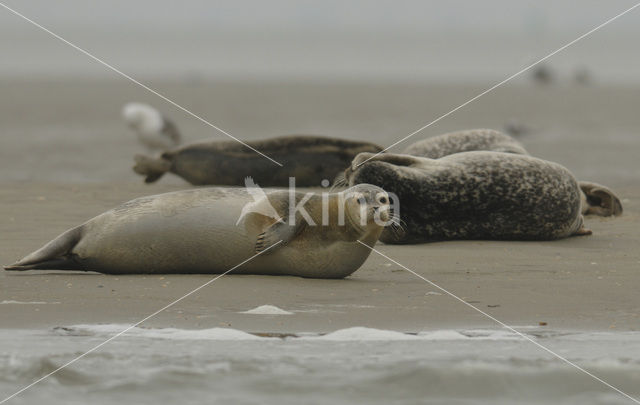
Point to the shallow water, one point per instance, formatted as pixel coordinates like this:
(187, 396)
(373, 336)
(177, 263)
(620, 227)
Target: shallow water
(355, 365)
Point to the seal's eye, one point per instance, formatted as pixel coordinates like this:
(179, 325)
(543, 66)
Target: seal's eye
(361, 201)
(382, 199)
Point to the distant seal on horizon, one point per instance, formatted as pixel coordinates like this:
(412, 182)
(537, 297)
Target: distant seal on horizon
(197, 231)
(475, 195)
(310, 159)
(154, 130)
(596, 198)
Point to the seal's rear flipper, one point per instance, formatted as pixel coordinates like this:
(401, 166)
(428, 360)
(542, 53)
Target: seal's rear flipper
(56, 264)
(54, 255)
(152, 168)
(599, 200)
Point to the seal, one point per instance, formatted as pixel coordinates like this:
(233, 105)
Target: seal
(596, 199)
(475, 195)
(310, 159)
(465, 141)
(154, 130)
(195, 231)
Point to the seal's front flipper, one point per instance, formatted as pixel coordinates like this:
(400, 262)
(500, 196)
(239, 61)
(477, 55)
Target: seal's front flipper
(278, 232)
(600, 200)
(583, 232)
(54, 255)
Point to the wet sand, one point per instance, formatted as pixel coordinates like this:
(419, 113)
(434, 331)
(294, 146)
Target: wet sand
(65, 156)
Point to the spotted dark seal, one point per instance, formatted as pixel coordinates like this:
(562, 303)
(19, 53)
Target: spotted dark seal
(475, 195)
(596, 198)
(465, 141)
(310, 159)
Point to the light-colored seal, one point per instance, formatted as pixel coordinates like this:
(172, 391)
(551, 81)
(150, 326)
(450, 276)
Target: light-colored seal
(596, 198)
(310, 159)
(475, 195)
(154, 130)
(195, 231)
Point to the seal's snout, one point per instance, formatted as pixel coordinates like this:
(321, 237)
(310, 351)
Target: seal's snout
(360, 159)
(381, 212)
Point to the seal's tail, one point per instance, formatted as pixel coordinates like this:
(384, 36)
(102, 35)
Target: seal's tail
(54, 255)
(152, 168)
(599, 200)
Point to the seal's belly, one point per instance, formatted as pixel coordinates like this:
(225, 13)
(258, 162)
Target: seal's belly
(329, 260)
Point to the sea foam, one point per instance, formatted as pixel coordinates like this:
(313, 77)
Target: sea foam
(352, 334)
(157, 333)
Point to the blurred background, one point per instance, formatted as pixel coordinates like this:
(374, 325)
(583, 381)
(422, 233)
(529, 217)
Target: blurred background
(308, 40)
(358, 69)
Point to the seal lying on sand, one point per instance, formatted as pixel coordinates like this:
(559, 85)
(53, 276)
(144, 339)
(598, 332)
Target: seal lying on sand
(195, 231)
(596, 199)
(310, 159)
(465, 141)
(475, 195)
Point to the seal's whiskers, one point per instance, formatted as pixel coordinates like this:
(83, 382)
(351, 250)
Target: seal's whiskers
(397, 225)
(339, 181)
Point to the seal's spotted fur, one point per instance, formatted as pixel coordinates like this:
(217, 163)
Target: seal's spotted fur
(465, 141)
(596, 198)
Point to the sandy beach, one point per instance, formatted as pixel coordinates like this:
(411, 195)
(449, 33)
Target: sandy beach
(66, 157)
